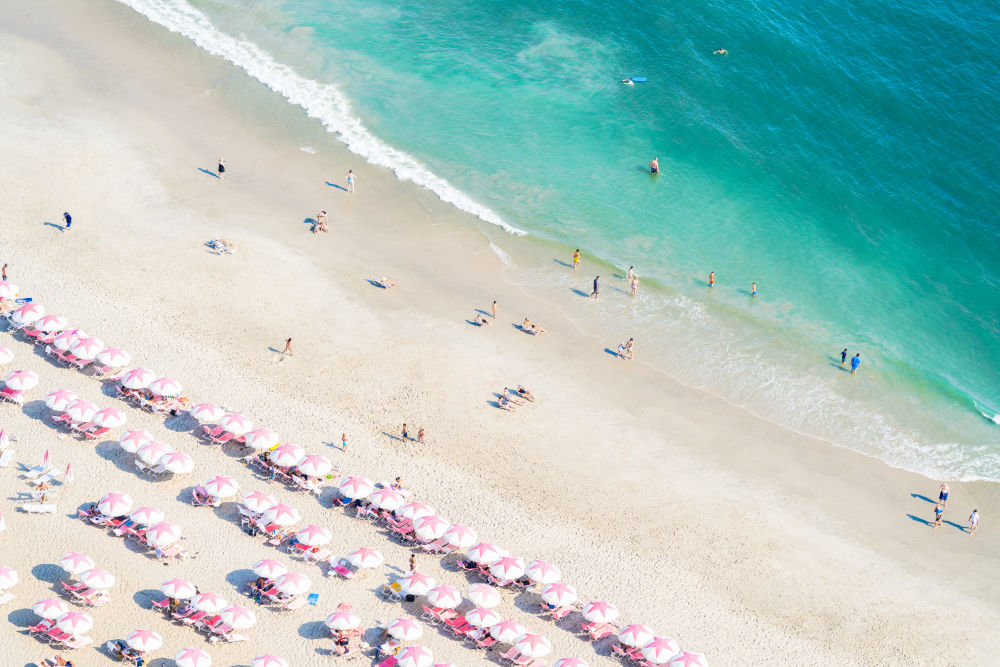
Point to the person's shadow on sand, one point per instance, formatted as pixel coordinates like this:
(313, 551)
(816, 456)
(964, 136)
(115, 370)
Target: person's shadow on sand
(611, 352)
(52, 224)
(918, 519)
(334, 185)
(209, 172)
(579, 292)
(393, 437)
(559, 261)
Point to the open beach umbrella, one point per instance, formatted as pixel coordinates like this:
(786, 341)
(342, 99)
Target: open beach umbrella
(356, 487)
(314, 465)
(600, 612)
(98, 579)
(211, 603)
(686, 659)
(178, 463)
(207, 412)
(4, 439)
(147, 516)
(144, 640)
(134, 439)
(387, 499)
(64, 340)
(365, 558)
(82, 410)
(49, 323)
(237, 617)
(109, 418)
(8, 577)
(179, 589)
(314, 536)
(192, 657)
(8, 290)
(75, 562)
(415, 656)
(507, 568)
(342, 620)
(75, 622)
(152, 451)
(27, 314)
(293, 583)
(221, 486)
(636, 634)
(261, 438)
(114, 357)
(461, 536)
(269, 568)
(507, 631)
(86, 348)
(405, 629)
(481, 617)
(444, 597)
(282, 515)
(415, 510)
(660, 650)
(533, 645)
(559, 594)
(416, 584)
(483, 595)
(268, 660)
(258, 501)
(50, 608)
(165, 386)
(431, 527)
(138, 378)
(22, 380)
(235, 423)
(570, 662)
(45, 459)
(543, 572)
(485, 553)
(115, 504)
(287, 454)
(163, 534)
(6, 354)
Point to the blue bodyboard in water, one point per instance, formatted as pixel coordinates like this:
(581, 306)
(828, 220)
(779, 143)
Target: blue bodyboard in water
(638, 79)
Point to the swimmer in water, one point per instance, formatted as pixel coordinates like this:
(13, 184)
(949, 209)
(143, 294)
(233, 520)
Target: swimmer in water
(628, 81)
(720, 52)
(654, 166)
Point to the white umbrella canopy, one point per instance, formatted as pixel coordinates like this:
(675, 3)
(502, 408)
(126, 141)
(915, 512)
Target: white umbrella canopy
(134, 439)
(259, 501)
(570, 662)
(147, 516)
(49, 323)
(660, 650)
(415, 656)
(179, 589)
(636, 634)
(237, 617)
(163, 534)
(415, 510)
(365, 558)
(481, 617)
(65, 340)
(405, 629)
(314, 536)
(26, 314)
(356, 487)
(282, 515)
(342, 620)
(533, 645)
(114, 357)
(508, 567)
(144, 640)
(507, 631)
(98, 579)
(178, 463)
(8, 577)
(207, 412)
(600, 612)
(151, 452)
(192, 657)
(559, 594)
(543, 572)
(209, 602)
(138, 378)
(6, 354)
(109, 418)
(8, 290)
(287, 454)
(461, 536)
(483, 595)
(60, 399)
(75, 562)
(268, 660)
(165, 386)
(86, 348)
(686, 659)
(431, 527)
(82, 410)
(221, 486)
(314, 465)
(444, 597)
(261, 438)
(115, 503)
(387, 499)
(22, 380)
(416, 584)
(293, 583)
(485, 553)
(235, 423)
(269, 568)
(75, 622)
(50, 608)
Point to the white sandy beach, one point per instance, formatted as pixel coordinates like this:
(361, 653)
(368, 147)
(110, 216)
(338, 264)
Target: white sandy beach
(740, 539)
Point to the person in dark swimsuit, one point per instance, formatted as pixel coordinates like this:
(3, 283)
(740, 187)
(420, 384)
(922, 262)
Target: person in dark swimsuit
(654, 166)
(222, 169)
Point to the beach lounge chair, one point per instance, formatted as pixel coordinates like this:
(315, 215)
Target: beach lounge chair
(96, 433)
(34, 472)
(6, 457)
(6, 597)
(77, 642)
(231, 637)
(83, 427)
(192, 619)
(160, 605)
(598, 630)
(174, 552)
(55, 635)
(70, 588)
(509, 656)
(50, 476)
(210, 433)
(12, 395)
(392, 592)
(317, 556)
(44, 626)
(388, 662)
(560, 613)
(222, 438)
(38, 508)
(63, 419)
(292, 604)
(344, 571)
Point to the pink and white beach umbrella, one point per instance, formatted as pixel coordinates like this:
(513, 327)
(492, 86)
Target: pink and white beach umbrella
(600, 612)
(268, 660)
(22, 380)
(543, 572)
(405, 629)
(50, 608)
(179, 589)
(26, 314)
(293, 583)
(533, 645)
(6, 354)
(192, 657)
(75, 562)
(151, 452)
(237, 617)
(209, 602)
(144, 640)
(282, 515)
(287, 454)
(69, 477)
(415, 510)
(636, 634)
(4, 439)
(98, 579)
(138, 378)
(115, 504)
(86, 348)
(259, 501)
(444, 597)
(483, 595)
(660, 650)
(114, 357)
(570, 662)
(207, 412)
(686, 659)
(342, 620)
(109, 418)
(485, 553)
(147, 516)
(134, 439)
(8, 577)
(8, 290)
(431, 527)
(461, 536)
(45, 459)
(75, 622)
(507, 631)
(178, 463)
(163, 534)
(507, 568)
(234, 422)
(269, 568)
(559, 594)
(416, 584)
(314, 465)
(49, 323)
(387, 499)
(165, 386)
(481, 617)
(65, 339)
(356, 487)
(221, 486)
(365, 558)
(82, 410)
(415, 656)
(261, 438)
(314, 536)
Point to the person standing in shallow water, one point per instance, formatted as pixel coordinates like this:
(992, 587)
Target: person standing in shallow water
(597, 288)
(843, 357)
(711, 279)
(855, 362)
(576, 259)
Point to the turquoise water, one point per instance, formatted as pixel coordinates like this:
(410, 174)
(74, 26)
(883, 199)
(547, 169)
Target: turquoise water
(840, 156)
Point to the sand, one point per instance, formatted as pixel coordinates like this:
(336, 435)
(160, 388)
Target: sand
(738, 538)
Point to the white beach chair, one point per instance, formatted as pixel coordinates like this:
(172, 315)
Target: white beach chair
(38, 508)
(50, 476)
(6, 457)
(6, 597)
(35, 472)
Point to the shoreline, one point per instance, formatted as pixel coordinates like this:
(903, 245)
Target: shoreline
(721, 463)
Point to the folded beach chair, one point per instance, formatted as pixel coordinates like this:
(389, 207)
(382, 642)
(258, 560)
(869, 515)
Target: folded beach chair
(38, 508)
(34, 472)
(50, 476)
(6, 457)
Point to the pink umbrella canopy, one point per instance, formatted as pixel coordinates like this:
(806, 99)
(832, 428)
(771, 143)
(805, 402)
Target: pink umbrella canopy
(237, 617)
(259, 501)
(405, 629)
(686, 659)
(342, 620)
(65, 340)
(293, 583)
(46, 459)
(75, 562)
(6, 354)
(559, 594)
(483, 595)
(209, 602)
(4, 439)
(86, 348)
(356, 487)
(50, 608)
(314, 465)
(22, 380)
(8, 290)
(115, 504)
(98, 579)
(269, 568)
(481, 617)
(138, 378)
(179, 589)
(60, 399)
(144, 640)
(268, 660)
(221, 486)
(387, 499)
(431, 527)
(314, 536)
(416, 584)
(151, 452)
(235, 423)
(261, 438)
(485, 553)
(569, 662)
(75, 622)
(207, 412)
(27, 314)
(68, 478)
(507, 631)
(461, 536)
(82, 410)
(415, 656)
(660, 650)
(365, 558)
(163, 534)
(178, 463)
(146, 516)
(444, 597)
(192, 657)
(533, 645)
(287, 454)
(508, 567)
(415, 510)
(543, 572)
(636, 634)
(134, 439)
(600, 612)
(8, 577)
(109, 418)
(282, 515)
(165, 386)
(50, 323)
(114, 357)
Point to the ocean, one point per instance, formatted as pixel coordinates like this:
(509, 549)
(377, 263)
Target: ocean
(839, 155)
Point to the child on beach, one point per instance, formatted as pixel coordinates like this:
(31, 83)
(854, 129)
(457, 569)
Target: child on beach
(420, 435)
(406, 435)
(576, 259)
(350, 180)
(343, 442)
(938, 514)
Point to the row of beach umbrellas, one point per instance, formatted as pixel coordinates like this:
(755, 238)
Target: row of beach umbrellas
(160, 534)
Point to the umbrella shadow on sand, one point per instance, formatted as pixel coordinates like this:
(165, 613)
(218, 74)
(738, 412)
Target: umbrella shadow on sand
(239, 579)
(35, 410)
(146, 596)
(48, 572)
(22, 618)
(314, 630)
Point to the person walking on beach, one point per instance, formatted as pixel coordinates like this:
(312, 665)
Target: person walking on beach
(350, 180)
(843, 357)
(597, 288)
(973, 522)
(288, 348)
(943, 494)
(69, 220)
(494, 308)
(711, 279)
(753, 289)
(855, 362)
(420, 435)
(631, 272)
(406, 435)
(576, 259)
(5, 272)
(413, 563)
(635, 284)
(343, 442)
(222, 169)
(628, 348)
(938, 514)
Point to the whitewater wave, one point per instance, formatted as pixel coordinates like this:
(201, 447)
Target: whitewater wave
(321, 101)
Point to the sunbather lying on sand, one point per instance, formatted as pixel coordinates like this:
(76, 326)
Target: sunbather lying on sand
(524, 393)
(482, 321)
(510, 397)
(505, 404)
(385, 282)
(221, 245)
(529, 327)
